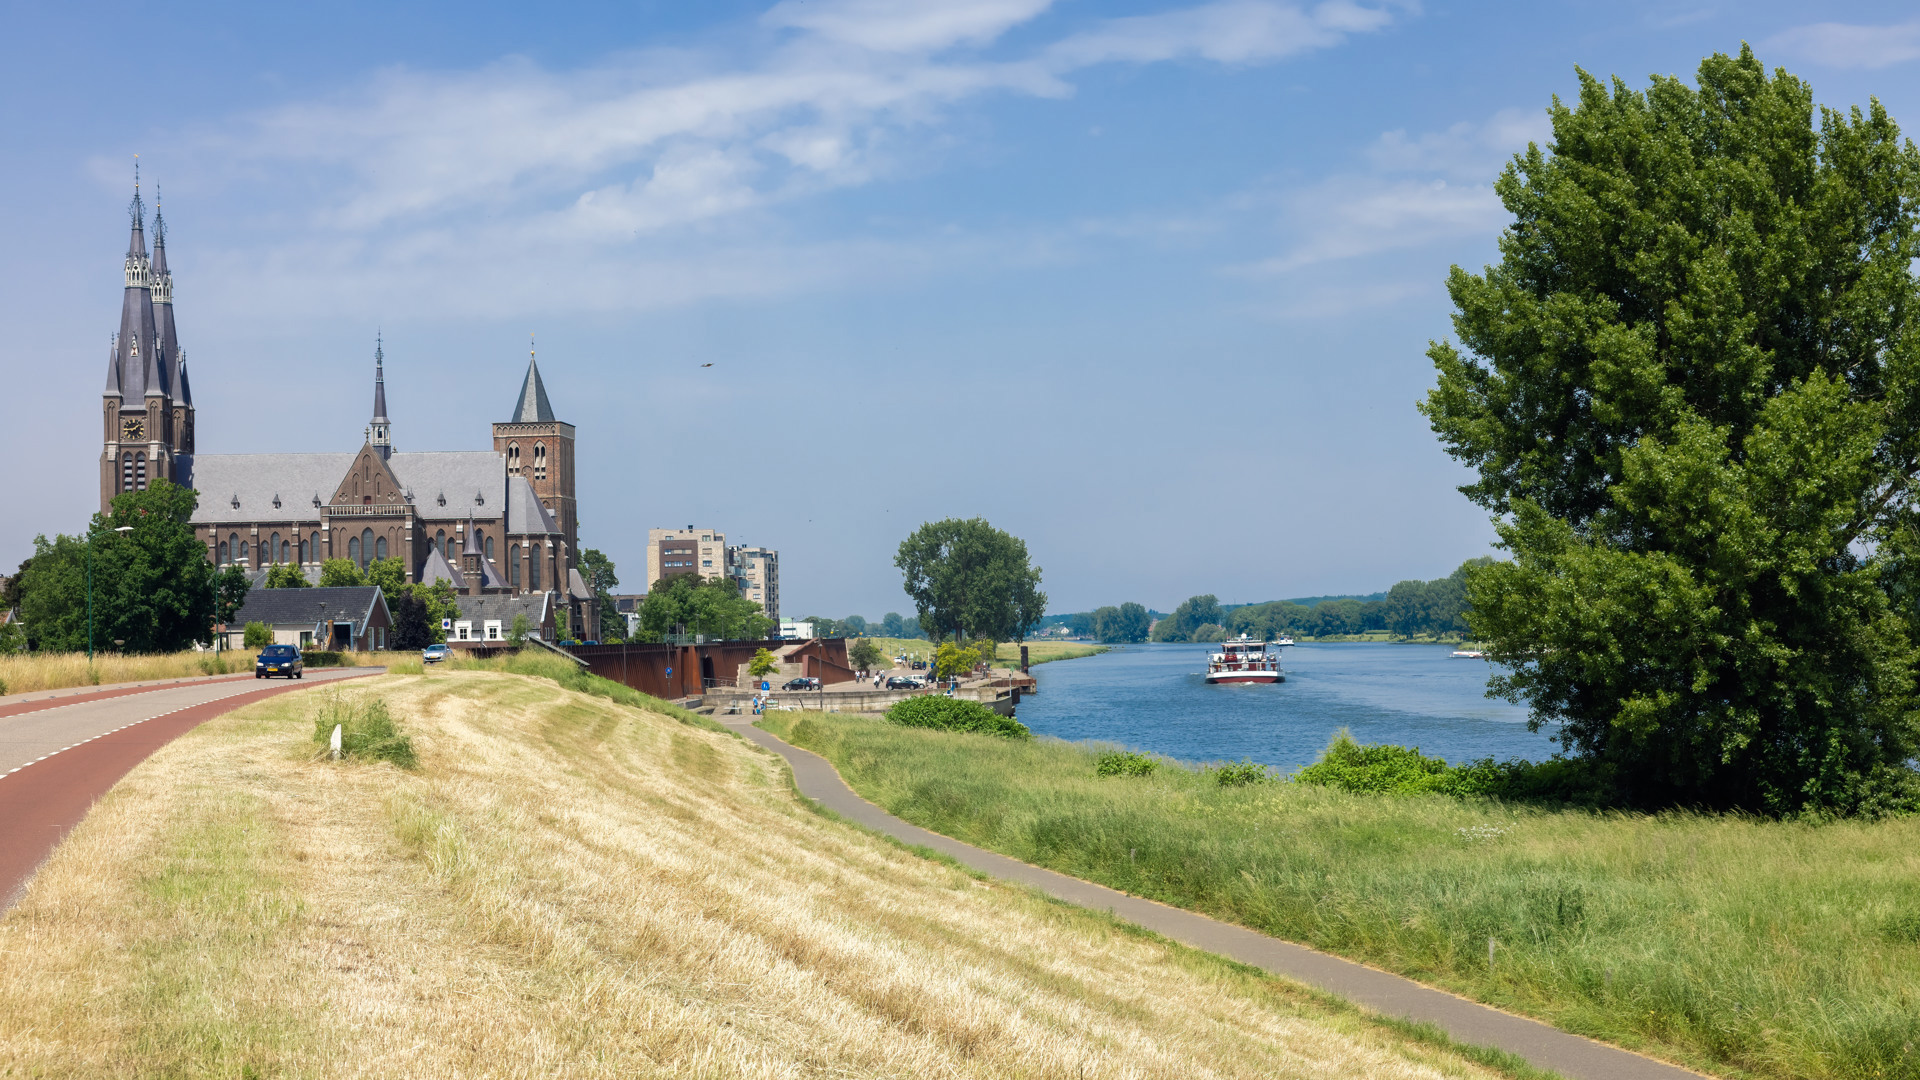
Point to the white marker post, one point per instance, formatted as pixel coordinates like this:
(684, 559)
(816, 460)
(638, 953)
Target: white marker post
(336, 742)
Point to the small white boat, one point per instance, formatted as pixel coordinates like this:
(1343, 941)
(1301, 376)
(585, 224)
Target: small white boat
(1283, 641)
(1244, 661)
(1469, 654)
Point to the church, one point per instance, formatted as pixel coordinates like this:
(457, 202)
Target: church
(500, 522)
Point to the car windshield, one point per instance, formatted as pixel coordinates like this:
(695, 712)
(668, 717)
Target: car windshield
(278, 651)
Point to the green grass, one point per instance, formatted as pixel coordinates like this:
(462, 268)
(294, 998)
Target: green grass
(545, 665)
(1008, 654)
(1742, 946)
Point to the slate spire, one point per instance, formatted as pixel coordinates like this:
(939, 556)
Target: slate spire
(136, 354)
(167, 340)
(532, 405)
(381, 435)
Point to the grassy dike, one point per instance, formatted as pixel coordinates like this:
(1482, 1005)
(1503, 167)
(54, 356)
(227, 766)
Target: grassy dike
(564, 884)
(1733, 945)
(1008, 653)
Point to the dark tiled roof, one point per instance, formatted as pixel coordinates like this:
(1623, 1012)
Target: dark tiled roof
(302, 607)
(532, 404)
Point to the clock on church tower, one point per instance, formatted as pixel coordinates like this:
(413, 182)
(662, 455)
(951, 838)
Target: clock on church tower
(133, 429)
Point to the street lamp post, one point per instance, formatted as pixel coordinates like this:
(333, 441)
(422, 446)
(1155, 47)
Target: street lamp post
(122, 530)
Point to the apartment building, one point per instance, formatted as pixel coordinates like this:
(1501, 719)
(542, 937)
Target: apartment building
(686, 551)
(758, 571)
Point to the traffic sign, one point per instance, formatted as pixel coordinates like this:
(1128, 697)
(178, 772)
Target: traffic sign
(764, 685)
(669, 673)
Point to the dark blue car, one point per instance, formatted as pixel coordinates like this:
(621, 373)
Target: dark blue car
(283, 660)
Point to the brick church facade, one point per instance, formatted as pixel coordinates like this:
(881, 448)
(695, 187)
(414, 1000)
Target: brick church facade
(499, 521)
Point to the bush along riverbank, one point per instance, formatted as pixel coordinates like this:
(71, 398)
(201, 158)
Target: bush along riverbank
(1724, 942)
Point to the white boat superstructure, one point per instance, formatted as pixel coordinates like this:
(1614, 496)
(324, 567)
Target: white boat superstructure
(1245, 661)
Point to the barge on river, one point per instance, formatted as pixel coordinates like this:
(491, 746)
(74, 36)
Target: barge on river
(1245, 661)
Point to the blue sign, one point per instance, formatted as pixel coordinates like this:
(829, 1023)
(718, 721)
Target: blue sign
(766, 686)
(669, 673)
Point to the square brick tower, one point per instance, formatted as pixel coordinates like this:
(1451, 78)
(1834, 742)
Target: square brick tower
(540, 448)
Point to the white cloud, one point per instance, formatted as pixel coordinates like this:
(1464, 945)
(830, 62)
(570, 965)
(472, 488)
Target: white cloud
(1849, 46)
(1347, 217)
(894, 26)
(1465, 150)
(1229, 32)
(587, 177)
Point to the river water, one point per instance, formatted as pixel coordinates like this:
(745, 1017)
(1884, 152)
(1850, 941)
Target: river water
(1152, 697)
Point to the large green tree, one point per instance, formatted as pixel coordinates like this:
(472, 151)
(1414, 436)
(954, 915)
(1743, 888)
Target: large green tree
(1125, 624)
(691, 604)
(152, 586)
(598, 571)
(968, 578)
(1689, 390)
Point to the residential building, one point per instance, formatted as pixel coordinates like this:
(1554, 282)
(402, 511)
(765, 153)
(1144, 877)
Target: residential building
(757, 569)
(793, 630)
(352, 619)
(671, 552)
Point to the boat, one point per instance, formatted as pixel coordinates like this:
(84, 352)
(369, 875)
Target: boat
(1469, 654)
(1283, 641)
(1244, 661)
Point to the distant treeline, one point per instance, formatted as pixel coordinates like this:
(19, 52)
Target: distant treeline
(1409, 609)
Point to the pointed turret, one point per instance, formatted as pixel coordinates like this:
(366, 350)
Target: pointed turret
(184, 392)
(532, 406)
(136, 353)
(167, 347)
(380, 433)
(113, 368)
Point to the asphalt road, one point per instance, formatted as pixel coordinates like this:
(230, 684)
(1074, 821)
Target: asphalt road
(58, 755)
(1468, 1021)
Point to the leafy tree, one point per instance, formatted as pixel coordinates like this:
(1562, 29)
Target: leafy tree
(823, 626)
(230, 589)
(1125, 624)
(950, 660)
(285, 576)
(893, 626)
(340, 574)
(763, 664)
(12, 640)
(258, 635)
(389, 575)
(517, 633)
(413, 628)
(1195, 612)
(10, 595)
(1691, 391)
(853, 626)
(1209, 632)
(152, 587)
(969, 578)
(689, 603)
(864, 654)
(599, 573)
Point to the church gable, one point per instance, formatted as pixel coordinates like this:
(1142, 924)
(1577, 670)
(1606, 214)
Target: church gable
(369, 482)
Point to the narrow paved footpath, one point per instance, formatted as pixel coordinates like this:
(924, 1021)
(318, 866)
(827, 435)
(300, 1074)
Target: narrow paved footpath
(1468, 1021)
(58, 757)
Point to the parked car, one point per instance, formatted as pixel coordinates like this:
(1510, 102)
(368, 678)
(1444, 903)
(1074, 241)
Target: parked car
(433, 654)
(804, 682)
(283, 660)
(904, 682)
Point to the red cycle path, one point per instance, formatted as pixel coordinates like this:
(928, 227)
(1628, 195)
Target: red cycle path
(40, 804)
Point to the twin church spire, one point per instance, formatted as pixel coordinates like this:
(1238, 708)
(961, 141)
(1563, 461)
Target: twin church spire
(149, 405)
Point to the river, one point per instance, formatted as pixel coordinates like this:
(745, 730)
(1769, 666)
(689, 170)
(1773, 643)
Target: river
(1152, 697)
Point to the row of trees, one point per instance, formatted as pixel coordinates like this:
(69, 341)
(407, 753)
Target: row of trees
(1409, 609)
(853, 626)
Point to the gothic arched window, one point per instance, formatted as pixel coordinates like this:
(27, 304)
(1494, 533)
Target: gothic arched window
(140, 470)
(244, 557)
(533, 568)
(489, 549)
(233, 545)
(313, 550)
(273, 548)
(513, 459)
(440, 540)
(353, 550)
(366, 547)
(126, 471)
(222, 560)
(380, 548)
(304, 555)
(513, 565)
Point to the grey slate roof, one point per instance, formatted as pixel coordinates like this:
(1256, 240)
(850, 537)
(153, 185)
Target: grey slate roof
(256, 478)
(525, 515)
(537, 607)
(459, 475)
(577, 585)
(302, 607)
(439, 569)
(532, 405)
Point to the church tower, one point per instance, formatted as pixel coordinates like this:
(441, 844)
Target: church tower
(146, 421)
(380, 432)
(540, 448)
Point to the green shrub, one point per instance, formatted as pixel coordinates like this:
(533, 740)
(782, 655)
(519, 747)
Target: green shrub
(213, 664)
(955, 714)
(3, 688)
(324, 658)
(1240, 774)
(1124, 763)
(367, 731)
(258, 635)
(1399, 770)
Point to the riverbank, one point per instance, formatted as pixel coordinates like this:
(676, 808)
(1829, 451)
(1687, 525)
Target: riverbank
(1730, 944)
(565, 885)
(1008, 653)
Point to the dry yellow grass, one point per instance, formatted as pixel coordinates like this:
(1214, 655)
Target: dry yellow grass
(569, 887)
(23, 673)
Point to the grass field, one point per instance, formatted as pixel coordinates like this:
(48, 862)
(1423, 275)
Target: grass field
(1038, 652)
(1730, 944)
(566, 886)
(26, 672)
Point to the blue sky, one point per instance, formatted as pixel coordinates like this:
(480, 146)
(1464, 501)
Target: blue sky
(1147, 284)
